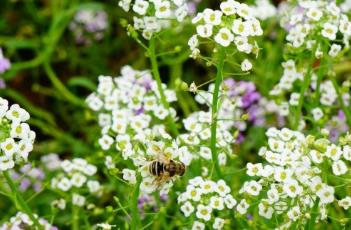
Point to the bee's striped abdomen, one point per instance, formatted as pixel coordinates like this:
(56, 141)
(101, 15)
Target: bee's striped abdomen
(156, 168)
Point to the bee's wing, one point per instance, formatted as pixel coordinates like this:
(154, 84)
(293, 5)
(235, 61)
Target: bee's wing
(163, 158)
(162, 179)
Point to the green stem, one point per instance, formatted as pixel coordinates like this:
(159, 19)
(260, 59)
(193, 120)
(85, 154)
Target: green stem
(61, 87)
(17, 197)
(341, 101)
(306, 83)
(135, 223)
(215, 106)
(75, 217)
(156, 75)
(175, 73)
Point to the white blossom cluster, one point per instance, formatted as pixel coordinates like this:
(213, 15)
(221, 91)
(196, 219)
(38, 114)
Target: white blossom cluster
(310, 20)
(89, 25)
(293, 179)
(198, 135)
(127, 106)
(233, 24)
(206, 200)
(77, 176)
(16, 137)
(22, 222)
(292, 76)
(154, 15)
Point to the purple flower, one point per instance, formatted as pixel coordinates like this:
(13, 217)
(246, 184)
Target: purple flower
(2, 84)
(5, 63)
(139, 111)
(25, 183)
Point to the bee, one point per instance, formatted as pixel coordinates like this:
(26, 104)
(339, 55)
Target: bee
(165, 169)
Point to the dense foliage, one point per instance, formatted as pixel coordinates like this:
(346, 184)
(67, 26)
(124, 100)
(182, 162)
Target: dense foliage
(175, 114)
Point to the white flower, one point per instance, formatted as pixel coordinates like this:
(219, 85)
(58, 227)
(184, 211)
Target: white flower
(246, 65)
(208, 186)
(6, 163)
(292, 188)
(329, 31)
(334, 152)
(187, 208)
(129, 175)
(339, 167)
(205, 153)
(93, 186)
(147, 185)
(222, 189)
(105, 226)
(216, 203)
(240, 28)
(252, 187)
(254, 169)
(326, 194)
(140, 7)
(198, 225)
(317, 114)
(282, 175)
(242, 207)
(222, 159)
(17, 114)
(64, 184)
(294, 213)
(212, 17)
(163, 9)
(314, 14)
(78, 200)
(78, 180)
(105, 142)
(204, 31)
(345, 203)
(228, 7)
(265, 210)
(294, 99)
(334, 50)
(218, 223)
(224, 37)
(229, 201)
(60, 203)
(244, 11)
(9, 147)
(347, 152)
(203, 212)
(4, 105)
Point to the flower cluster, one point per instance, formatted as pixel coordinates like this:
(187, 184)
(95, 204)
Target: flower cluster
(321, 107)
(206, 200)
(89, 25)
(155, 15)
(317, 19)
(127, 105)
(16, 137)
(76, 177)
(239, 99)
(293, 181)
(29, 177)
(22, 222)
(234, 24)
(337, 125)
